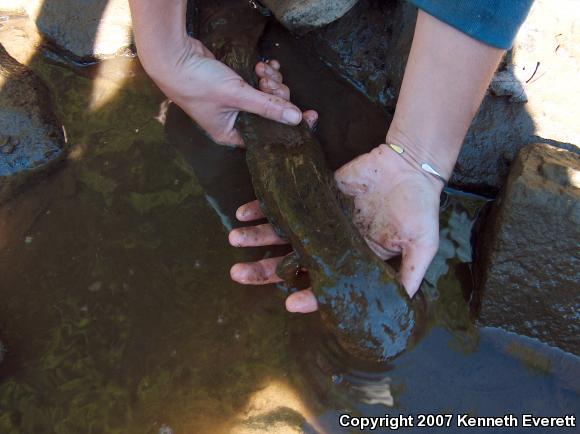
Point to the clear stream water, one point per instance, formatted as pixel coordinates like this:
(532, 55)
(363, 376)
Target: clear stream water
(119, 315)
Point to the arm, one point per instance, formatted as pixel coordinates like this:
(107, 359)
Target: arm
(160, 34)
(188, 73)
(445, 80)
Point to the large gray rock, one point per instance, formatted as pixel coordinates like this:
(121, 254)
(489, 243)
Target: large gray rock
(529, 259)
(85, 29)
(308, 14)
(31, 138)
(530, 101)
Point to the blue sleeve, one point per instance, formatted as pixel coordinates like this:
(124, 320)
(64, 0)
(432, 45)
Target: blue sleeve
(494, 22)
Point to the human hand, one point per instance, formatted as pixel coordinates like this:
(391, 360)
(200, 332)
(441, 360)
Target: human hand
(212, 94)
(396, 210)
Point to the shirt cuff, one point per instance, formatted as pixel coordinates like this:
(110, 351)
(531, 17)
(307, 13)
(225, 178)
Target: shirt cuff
(494, 22)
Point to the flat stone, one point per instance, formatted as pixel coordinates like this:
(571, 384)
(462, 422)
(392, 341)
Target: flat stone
(281, 420)
(21, 38)
(277, 408)
(85, 29)
(308, 14)
(528, 261)
(531, 100)
(32, 138)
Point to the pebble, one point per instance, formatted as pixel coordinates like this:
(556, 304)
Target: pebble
(165, 429)
(96, 286)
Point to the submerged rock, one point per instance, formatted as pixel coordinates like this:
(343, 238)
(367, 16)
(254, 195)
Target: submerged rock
(31, 138)
(529, 257)
(85, 29)
(276, 408)
(281, 420)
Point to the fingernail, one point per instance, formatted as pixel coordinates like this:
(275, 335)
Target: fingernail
(293, 305)
(234, 239)
(291, 116)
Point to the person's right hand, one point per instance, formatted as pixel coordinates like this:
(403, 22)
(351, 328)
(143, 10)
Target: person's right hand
(212, 94)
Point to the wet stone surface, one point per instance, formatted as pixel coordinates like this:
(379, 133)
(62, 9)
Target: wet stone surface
(31, 137)
(369, 47)
(84, 29)
(529, 262)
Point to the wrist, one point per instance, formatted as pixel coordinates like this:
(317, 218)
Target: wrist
(394, 168)
(161, 64)
(159, 30)
(433, 157)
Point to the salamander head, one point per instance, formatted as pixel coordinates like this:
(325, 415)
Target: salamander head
(370, 315)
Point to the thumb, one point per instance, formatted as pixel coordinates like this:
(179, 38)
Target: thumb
(268, 106)
(416, 260)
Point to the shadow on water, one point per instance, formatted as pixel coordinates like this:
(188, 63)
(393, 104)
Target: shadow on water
(120, 317)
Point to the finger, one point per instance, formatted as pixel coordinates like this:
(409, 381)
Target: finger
(380, 250)
(274, 64)
(256, 273)
(416, 260)
(302, 302)
(273, 73)
(265, 70)
(274, 88)
(311, 118)
(250, 211)
(255, 236)
(268, 106)
(350, 180)
(231, 138)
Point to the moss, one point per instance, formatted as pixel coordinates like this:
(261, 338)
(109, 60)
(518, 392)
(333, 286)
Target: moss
(145, 202)
(99, 183)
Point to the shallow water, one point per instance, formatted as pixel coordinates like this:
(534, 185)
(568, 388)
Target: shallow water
(120, 317)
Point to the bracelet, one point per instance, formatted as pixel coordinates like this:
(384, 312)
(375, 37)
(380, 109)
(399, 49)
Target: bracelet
(425, 167)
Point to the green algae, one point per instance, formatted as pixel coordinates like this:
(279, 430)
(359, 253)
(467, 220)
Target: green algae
(100, 184)
(145, 202)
